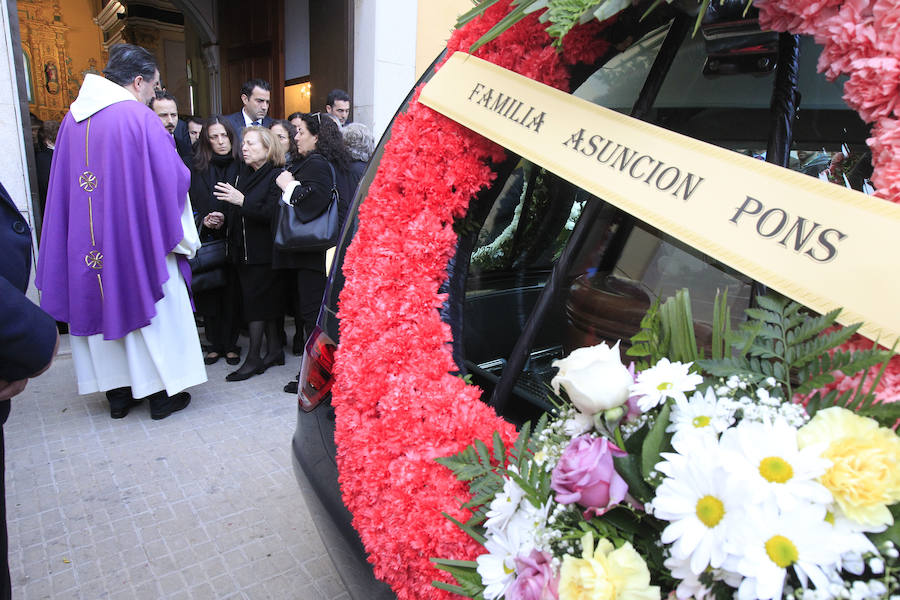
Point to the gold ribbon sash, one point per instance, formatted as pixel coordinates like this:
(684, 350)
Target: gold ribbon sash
(821, 244)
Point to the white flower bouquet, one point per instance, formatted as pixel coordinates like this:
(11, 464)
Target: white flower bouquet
(693, 478)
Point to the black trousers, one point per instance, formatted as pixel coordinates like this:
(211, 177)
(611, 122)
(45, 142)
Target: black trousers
(221, 310)
(310, 290)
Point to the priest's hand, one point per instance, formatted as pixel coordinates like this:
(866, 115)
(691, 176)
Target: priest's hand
(228, 193)
(283, 179)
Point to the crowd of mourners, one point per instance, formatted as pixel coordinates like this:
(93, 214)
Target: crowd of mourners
(242, 165)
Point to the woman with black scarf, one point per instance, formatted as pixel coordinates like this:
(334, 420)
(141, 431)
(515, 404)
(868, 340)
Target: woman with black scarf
(253, 200)
(215, 160)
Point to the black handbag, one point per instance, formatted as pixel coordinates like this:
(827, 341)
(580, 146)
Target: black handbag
(208, 266)
(319, 234)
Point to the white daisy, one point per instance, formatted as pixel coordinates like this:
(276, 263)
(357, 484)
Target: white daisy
(702, 413)
(769, 542)
(528, 526)
(664, 380)
(766, 454)
(690, 586)
(700, 501)
(497, 568)
(504, 505)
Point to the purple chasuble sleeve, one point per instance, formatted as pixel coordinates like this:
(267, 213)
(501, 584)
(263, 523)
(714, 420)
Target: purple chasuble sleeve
(117, 191)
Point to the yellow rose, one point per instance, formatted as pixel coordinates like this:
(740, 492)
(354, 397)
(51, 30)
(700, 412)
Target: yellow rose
(864, 477)
(605, 574)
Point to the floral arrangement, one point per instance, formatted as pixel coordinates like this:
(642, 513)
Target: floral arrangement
(699, 479)
(390, 428)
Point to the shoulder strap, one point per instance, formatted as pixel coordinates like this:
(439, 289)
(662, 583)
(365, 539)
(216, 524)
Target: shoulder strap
(334, 190)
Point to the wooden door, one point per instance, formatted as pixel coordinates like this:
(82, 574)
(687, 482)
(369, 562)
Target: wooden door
(251, 39)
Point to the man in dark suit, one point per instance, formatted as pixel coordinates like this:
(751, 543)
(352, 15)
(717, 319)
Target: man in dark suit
(28, 339)
(255, 95)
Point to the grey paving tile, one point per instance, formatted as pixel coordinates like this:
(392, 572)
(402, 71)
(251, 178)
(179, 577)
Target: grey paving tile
(202, 505)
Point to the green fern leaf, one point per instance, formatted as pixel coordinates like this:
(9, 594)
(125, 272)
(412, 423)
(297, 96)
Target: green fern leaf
(885, 413)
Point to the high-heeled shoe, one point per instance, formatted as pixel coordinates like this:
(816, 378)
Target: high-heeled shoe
(278, 360)
(244, 372)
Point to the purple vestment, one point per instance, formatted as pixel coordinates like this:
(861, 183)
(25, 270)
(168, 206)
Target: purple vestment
(117, 192)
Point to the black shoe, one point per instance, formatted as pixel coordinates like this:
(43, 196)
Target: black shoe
(278, 360)
(235, 359)
(122, 412)
(172, 404)
(245, 372)
(120, 402)
(291, 387)
(211, 358)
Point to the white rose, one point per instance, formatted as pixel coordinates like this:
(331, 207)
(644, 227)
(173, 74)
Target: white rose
(594, 378)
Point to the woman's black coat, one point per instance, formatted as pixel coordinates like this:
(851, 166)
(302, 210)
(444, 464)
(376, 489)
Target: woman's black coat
(310, 200)
(203, 182)
(249, 227)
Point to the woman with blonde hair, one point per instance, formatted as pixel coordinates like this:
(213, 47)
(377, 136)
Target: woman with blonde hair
(253, 201)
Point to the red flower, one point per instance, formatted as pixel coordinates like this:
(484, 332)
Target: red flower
(397, 405)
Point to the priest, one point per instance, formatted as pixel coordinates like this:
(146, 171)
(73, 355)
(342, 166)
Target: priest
(117, 231)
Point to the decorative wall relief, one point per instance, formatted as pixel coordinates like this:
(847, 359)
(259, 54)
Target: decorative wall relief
(43, 36)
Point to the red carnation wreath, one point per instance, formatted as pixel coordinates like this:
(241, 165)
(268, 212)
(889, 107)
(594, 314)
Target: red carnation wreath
(397, 405)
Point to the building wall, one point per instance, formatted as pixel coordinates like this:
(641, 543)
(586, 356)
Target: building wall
(435, 23)
(14, 167)
(62, 44)
(84, 37)
(384, 60)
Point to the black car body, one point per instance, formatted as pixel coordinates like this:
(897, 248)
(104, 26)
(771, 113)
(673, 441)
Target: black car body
(531, 280)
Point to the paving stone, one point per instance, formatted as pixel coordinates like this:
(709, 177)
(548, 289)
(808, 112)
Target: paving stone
(201, 505)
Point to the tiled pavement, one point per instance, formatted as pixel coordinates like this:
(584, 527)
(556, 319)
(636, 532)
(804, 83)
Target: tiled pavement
(202, 504)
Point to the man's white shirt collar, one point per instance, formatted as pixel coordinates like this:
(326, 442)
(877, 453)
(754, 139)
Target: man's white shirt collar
(97, 93)
(247, 120)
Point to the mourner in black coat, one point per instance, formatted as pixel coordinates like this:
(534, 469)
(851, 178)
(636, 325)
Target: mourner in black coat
(248, 223)
(216, 161)
(319, 147)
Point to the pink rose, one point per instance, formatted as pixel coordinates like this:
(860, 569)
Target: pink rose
(585, 475)
(534, 578)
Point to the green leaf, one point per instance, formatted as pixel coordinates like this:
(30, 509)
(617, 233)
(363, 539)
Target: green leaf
(700, 14)
(721, 325)
(885, 413)
(513, 17)
(653, 443)
(892, 533)
(629, 468)
(470, 531)
(467, 578)
(499, 449)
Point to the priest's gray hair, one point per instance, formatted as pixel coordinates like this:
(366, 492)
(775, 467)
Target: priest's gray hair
(359, 141)
(127, 61)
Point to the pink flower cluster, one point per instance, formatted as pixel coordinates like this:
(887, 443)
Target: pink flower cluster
(860, 38)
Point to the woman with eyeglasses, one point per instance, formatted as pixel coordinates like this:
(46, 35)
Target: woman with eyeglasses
(216, 160)
(253, 200)
(307, 186)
